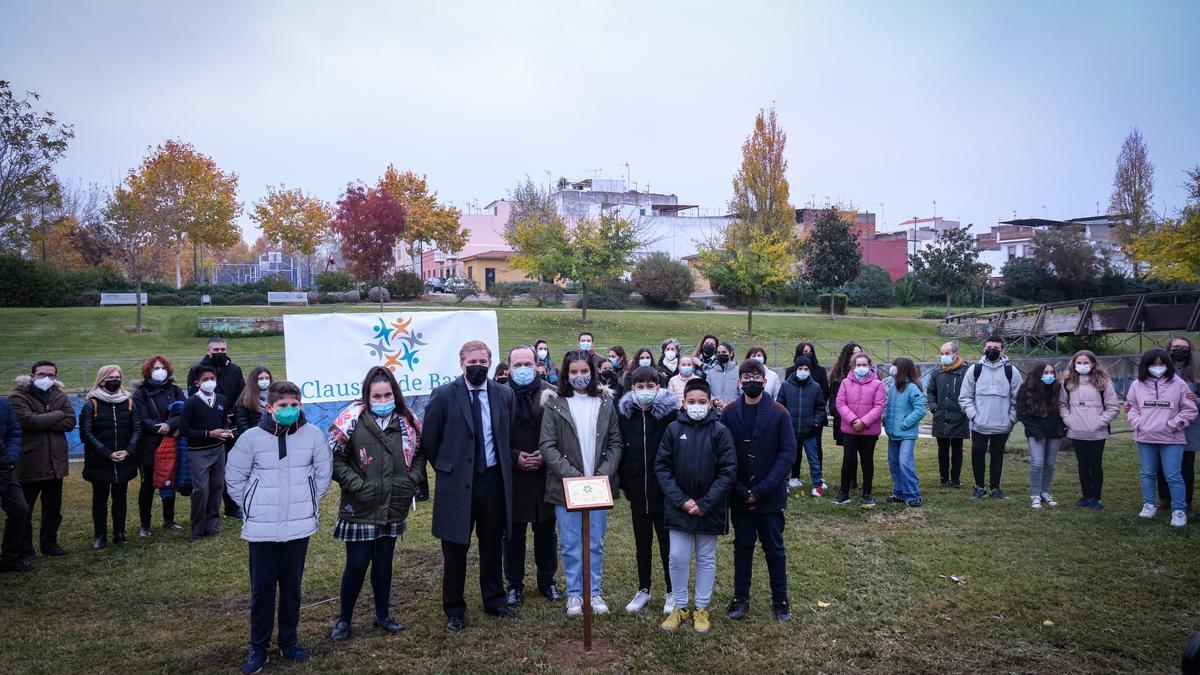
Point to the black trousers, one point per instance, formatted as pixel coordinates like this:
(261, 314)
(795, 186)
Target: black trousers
(645, 528)
(146, 499)
(1188, 469)
(231, 507)
(766, 529)
(545, 554)
(1090, 456)
(376, 554)
(16, 514)
(487, 519)
(950, 456)
(100, 494)
(857, 448)
(981, 446)
(51, 492)
(275, 565)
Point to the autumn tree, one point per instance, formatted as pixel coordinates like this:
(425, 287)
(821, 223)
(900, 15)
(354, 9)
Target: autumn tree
(950, 263)
(830, 253)
(599, 251)
(369, 223)
(138, 244)
(426, 221)
(757, 251)
(1132, 192)
(530, 204)
(1066, 253)
(31, 142)
(294, 220)
(186, 197)
(1172, 250)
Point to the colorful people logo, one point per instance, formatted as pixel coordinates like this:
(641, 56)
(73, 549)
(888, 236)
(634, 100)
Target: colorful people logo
(395, 343)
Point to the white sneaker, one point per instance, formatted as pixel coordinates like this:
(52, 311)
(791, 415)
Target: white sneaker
(1048, 500)
(1148, 511)
(1037, 502)
(598, 605)
(795, 484)
(638, 602)
(669, 604)
(818, 490)
(574, 606)
(1178, 518)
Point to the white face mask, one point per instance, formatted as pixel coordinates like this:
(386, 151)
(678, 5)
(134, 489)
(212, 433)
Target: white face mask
(1158, 371)
(264, 384)
(861, 371)
(698, 411)
(159, 374)
(585, 346)
(760, 358)
(44, 383)
(670, 355)
(1083, 368)
(208, 386)
(542, 354)
(947, 359)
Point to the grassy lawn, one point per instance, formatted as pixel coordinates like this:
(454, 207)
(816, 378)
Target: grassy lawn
(99, 335)
(1123, 595)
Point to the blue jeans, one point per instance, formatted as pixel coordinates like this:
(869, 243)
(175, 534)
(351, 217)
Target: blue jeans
(812, 453)
(1170, 458)
(902, 464)
(570, 537)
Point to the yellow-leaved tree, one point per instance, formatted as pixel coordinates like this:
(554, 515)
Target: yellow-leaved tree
(294, 220)
(427, 221)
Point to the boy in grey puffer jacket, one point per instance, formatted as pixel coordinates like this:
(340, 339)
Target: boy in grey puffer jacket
(989, 399)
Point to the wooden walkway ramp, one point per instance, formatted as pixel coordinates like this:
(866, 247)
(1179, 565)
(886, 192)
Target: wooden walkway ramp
(1138, 313)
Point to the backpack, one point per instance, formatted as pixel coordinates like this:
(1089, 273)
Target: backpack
(978, 370)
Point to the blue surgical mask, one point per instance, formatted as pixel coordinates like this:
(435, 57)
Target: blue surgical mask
(614, 361)
(523, 375)
(645, 396)
(862, 371)
(686, 371)
(585, 346)
(383, 409)
(802, 374)
(947, 359)
(645, 363)
(1048, 378)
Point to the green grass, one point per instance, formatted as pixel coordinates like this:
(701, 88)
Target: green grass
(86, 338)
(1123, 595)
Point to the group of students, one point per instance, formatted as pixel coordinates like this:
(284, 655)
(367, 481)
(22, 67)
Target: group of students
(696, 443)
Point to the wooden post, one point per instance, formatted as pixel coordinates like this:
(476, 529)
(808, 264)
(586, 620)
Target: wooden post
(587, 581)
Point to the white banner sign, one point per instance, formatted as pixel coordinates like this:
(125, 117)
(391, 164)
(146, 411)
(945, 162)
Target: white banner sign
(328, 355)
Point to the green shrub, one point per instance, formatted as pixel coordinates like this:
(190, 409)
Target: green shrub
(103, 279)
(839, 303)
(871, 288)
(614, 295)
(465, 288)
(663, 282)
(335, 282)
(30, 283)
(376, 291)
(503, 292)
(405, 285)
(209, 333)
(933, 314)
(522, 287)
(546, 294)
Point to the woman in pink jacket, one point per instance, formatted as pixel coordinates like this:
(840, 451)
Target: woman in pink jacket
(1159, 410)
(860, 403)
(1087, 404)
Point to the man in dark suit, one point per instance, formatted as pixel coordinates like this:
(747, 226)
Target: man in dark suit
(466, 439)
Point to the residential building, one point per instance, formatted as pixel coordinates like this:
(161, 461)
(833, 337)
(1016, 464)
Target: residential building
(1012, 239)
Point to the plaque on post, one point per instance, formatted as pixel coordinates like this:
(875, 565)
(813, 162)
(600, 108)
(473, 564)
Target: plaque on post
(586, 494)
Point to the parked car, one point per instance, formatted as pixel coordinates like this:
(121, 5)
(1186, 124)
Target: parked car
(435, 284)
(454, 284)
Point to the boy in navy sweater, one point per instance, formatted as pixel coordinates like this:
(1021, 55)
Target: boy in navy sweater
(204, 424)
(766, 450)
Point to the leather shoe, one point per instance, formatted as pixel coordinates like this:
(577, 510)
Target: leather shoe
(54, 550)
(737, 609)
(515, 597)
(172, 526)
(455, 624)
(24, 565)
(119, 538)
(552, 593)
(99, 543)
(341, 630)
(502, 612)
(389, 624)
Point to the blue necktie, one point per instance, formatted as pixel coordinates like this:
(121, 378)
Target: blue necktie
(477, 420)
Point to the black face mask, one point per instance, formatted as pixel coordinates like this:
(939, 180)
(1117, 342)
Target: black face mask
(608, 375)
(112, 386)
(708, 350)
(722, 359)
(476, 375)
(220, 360)
(1181, 354)
(992, 354)
(503, 379)
(752, 389)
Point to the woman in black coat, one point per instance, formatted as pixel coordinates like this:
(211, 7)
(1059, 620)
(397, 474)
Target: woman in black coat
(152, 400)
(248, 409)
(110, 426)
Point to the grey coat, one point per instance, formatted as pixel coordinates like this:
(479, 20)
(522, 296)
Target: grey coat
(991, 402)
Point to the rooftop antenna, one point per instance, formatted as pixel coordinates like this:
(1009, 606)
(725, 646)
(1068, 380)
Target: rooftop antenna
(881, 214)
(595, 173)
(626, 173)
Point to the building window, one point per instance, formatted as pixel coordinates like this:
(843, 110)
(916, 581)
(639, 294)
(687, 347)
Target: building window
(1012, 252)
(470, 269)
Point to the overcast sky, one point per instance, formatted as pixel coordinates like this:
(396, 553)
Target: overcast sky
(987, 108)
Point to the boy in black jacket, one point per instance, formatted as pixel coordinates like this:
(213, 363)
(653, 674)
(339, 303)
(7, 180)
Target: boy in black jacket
(204, 423)
(643, 414)
(766, 450)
